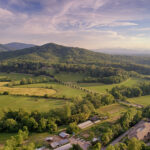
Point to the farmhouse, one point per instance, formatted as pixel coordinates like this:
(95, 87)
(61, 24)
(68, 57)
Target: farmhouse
(141, 131)
(85, 124)
(63, 135)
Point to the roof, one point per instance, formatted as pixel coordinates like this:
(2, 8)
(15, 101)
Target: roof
(63, 134)
(62, 142)
(41, 148)
(94, 139)
(49, 139)
(54, 144)
(64, 147)
(140, 131)
(85, 124)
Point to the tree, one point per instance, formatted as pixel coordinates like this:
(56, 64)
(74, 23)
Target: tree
(135, 144)
(51, 126)
(23, 81)
(73, 128)
(76, 147)
(10, 125)
(42, 124)
(110, 147)
(97, 146)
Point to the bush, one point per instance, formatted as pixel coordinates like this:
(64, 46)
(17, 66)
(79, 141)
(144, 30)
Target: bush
(5, 93)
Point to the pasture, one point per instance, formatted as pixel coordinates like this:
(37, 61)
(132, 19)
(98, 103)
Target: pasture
(143, 100)
(29, 103)
(61, 90)
(101, 88)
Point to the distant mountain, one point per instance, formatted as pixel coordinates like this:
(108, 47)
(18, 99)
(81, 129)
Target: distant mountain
(53, 53)
(121, 51)
(3, 48)
(18, 46)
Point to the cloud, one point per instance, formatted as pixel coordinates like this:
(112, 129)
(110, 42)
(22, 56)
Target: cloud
(85, 23)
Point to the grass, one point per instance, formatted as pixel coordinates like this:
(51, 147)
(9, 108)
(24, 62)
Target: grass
(28, 91)
(101, 88)
(29, 103)
(143, 100)
(114, 110)
(4, 137)
(70, 77)
(60, 89)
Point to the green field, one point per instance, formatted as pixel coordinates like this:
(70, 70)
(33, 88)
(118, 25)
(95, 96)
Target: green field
(29, 103)
(143, 100)
(60, 89)
(70, 77)
(114, 110)
(101, 88)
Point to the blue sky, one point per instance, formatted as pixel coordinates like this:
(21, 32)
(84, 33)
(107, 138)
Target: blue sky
(92, 24)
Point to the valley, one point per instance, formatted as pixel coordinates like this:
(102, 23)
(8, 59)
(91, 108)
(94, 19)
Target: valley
(50, 97)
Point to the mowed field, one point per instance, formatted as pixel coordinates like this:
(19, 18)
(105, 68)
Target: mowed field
(143, 100)
(29, 103)
(61, 90)
(101, 88)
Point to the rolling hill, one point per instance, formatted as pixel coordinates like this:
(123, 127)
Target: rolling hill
(53, 53)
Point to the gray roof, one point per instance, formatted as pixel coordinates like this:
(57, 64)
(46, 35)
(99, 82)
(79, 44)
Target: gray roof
(54, 144)
(63, 134)
(62, 142)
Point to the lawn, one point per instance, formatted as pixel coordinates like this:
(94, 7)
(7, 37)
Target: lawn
(70, 77)
(143, 100)
(29, 103)
(101, 88)
(60, 89)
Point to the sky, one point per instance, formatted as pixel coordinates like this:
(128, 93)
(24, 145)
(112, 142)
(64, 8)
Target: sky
(91, 24)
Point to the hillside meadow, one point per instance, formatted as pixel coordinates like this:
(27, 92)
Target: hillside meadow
(29, 103)
(143, 100)
(101, 88)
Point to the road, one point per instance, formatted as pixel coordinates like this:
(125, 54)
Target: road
(117, 140)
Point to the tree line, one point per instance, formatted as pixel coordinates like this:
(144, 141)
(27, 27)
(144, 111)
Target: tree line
(123, 92)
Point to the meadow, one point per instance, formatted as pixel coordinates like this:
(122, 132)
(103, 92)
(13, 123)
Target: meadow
(101, 88)
(143, 100)
(61, 90)
(29, 103)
